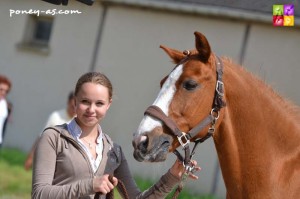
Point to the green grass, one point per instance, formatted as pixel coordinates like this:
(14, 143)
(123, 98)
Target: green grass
(15, 182)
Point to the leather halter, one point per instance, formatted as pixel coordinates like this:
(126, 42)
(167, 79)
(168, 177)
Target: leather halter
(184, 138)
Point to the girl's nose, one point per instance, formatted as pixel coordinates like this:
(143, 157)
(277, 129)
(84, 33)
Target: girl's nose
(91, 108)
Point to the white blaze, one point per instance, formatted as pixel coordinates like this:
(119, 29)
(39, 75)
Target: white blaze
(163, 101)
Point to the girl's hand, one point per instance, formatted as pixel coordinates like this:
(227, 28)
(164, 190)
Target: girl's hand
(103, 185)
(178, 169)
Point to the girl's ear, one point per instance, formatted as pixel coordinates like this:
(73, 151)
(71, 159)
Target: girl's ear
(75, 102)
(110, 101)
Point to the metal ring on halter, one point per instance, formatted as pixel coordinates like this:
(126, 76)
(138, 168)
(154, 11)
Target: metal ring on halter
(186, 52)
(214, 111)
(211, 130)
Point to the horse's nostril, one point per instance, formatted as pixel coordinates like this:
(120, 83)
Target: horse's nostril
(143, 144)
(140, 142)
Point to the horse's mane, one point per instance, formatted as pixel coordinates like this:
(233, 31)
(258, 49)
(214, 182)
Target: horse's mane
(286, 104)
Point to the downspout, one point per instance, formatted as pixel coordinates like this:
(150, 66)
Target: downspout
(244, 44)
(216, 176)
(98, 38)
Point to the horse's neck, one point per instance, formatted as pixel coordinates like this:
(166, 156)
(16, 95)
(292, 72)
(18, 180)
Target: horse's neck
(257, 137)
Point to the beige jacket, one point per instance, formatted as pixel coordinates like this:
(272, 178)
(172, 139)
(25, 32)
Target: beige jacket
(62, 170)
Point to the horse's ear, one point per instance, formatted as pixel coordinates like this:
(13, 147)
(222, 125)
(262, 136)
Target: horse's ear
(202, 46)
(175, 55)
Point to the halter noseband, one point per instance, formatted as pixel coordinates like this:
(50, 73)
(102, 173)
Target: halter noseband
(184, 138)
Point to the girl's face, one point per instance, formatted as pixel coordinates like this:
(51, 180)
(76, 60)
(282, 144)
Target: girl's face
(91, 103)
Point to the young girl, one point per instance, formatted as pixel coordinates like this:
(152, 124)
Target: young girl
(74, 160)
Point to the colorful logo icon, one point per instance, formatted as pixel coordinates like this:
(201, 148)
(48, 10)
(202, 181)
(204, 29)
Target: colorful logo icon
(277, 10)
(283, 15)
(288, 21)
(288, 9)
(278, 20)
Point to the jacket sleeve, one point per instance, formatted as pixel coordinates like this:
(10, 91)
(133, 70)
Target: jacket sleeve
(44, 169)
(159, 190)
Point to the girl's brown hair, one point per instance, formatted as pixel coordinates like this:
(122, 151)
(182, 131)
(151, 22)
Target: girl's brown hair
(97, 78)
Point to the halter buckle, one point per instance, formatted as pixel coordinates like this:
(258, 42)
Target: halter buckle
(219, 88)
(182, 142)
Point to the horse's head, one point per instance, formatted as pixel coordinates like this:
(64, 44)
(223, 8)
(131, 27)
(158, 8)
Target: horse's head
(186, 97)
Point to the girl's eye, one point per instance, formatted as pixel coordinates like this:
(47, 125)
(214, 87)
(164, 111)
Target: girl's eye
(190, 85)
(99, 104)
(86, 102)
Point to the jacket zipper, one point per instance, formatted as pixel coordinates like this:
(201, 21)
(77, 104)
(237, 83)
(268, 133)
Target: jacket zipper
(81, 150)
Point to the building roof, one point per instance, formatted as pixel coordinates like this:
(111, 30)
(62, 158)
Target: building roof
(262, 6)
(249, 10)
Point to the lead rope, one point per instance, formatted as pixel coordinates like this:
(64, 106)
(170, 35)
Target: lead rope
(188, 167)
(110, 195)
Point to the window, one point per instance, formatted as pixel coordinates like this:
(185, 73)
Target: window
(37, 33)
(42, 31)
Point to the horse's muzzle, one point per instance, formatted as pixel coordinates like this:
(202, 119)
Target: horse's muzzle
(151, 148)
(139, 144)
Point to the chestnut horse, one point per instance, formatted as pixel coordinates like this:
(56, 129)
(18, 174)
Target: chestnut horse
(256, 132)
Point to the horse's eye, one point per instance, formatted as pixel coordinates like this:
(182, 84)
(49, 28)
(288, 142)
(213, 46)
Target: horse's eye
(190, 85)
